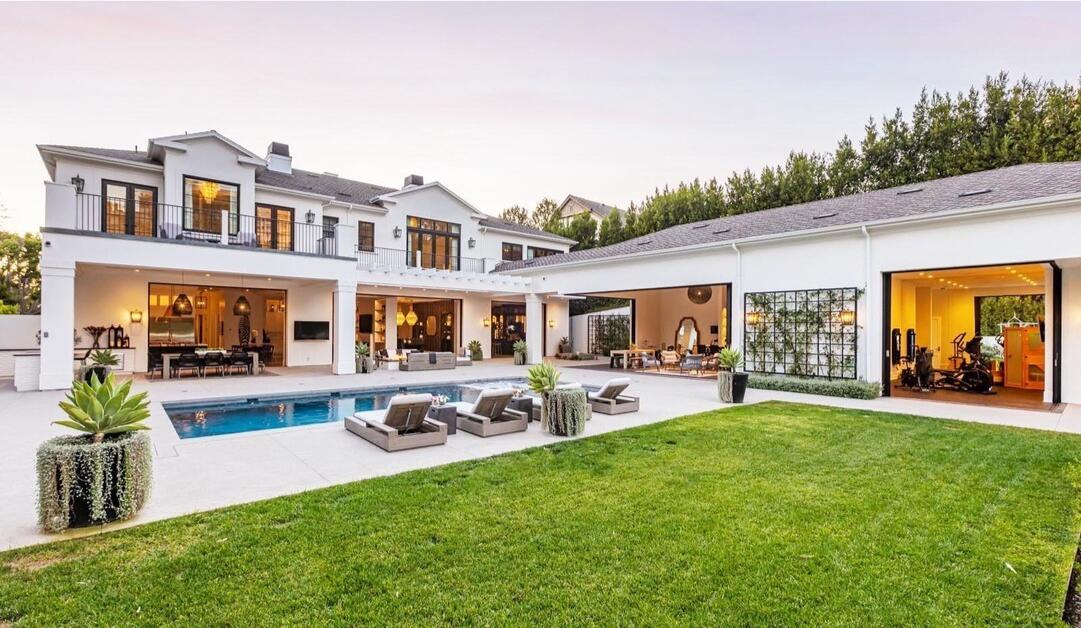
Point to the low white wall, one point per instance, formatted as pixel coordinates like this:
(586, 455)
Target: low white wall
(19, 331)
(580, 327)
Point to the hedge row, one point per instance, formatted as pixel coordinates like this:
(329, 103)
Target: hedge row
(851, 388)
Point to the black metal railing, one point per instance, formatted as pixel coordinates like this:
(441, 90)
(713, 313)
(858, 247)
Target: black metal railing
(379, 257)
(175, 222)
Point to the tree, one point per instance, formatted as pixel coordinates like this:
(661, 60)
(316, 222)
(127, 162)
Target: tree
(611, 229)
(546, 215)
(515, 213)
(582, 229)
(20, 274)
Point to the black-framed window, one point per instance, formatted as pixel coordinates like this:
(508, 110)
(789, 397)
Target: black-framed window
(512, 252)
(205, 200)
(433, 243)
(128, 208)
(536, 251)
(274, 227)
(366, 236)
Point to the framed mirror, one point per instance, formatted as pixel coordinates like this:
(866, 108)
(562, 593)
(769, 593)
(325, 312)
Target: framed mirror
(687, 335)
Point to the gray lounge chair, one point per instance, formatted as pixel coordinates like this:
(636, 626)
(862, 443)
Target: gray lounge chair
(611, 400)
(403, 425)
(489, 415)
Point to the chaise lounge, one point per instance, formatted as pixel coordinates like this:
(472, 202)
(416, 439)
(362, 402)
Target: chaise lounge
(489, 415)
(611, 400)
(403, 425)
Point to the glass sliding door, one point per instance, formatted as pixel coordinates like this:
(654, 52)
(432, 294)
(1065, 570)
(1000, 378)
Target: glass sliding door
(433, 243)
(128, 208)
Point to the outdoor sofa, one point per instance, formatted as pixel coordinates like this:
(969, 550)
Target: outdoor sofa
(428, 361)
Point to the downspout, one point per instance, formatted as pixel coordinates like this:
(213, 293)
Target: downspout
(867, 301)
(737, 298)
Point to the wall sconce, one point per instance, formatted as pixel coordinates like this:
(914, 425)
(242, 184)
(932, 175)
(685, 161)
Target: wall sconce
(551, 323)
(397, 232)
(754, 318)
(79, 183)
(848, 317)
(472, 243)
(487, 322)
(310, 216)
(136, 316)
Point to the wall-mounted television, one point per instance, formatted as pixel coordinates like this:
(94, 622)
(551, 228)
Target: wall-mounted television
(311, 330)
(365, 323)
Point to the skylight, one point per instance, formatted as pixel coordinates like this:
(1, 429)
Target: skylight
(722, 230)
(825, 215)
(701, 226)
(974, 192)
(643, 242)
(909, 191)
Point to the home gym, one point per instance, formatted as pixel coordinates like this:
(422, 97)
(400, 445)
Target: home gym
(979, 335)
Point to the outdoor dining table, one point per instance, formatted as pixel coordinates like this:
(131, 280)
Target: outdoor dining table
(627, 354)
(167, 358)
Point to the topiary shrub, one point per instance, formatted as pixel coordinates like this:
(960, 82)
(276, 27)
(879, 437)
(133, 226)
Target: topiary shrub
(850, 388)
(567, 411)
(81, 482)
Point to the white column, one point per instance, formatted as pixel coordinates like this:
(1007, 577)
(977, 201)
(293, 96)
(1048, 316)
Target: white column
(1049, 334)
(534, 328)
(345, 316)
(57, 326)
(391, 334)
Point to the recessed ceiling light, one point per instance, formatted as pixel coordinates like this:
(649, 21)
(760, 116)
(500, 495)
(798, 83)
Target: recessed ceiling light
(207, 274)
(136, 270)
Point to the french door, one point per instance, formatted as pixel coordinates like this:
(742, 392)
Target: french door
(128, 208)
(274, 227)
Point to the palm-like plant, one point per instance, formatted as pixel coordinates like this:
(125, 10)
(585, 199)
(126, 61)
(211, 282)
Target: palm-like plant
(520, 346)
(362, 350)
(101, 407)
(104, 358)
(730, 359)
(542, 378)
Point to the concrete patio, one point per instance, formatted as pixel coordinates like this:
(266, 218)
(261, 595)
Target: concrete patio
(204, 473)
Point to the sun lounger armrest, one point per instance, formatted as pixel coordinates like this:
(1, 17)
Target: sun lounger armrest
(376, 425)
(473, 417)
(515, 414)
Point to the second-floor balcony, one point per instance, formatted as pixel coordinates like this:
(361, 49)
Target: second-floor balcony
(139, 218)
(399, 259)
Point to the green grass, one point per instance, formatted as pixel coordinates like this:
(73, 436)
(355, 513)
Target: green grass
(774, 513)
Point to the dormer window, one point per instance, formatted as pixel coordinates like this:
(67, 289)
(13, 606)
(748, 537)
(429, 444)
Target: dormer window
(205, 200)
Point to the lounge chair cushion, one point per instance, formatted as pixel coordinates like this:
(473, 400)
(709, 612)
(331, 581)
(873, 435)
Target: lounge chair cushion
(405, 412)
(612, 389)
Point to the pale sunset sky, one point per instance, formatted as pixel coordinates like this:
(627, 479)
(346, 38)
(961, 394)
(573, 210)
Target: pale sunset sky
(503, 103)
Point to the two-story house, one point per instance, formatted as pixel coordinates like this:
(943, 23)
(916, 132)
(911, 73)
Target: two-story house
(198, 241)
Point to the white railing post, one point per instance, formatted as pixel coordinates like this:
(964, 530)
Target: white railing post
(225, 226)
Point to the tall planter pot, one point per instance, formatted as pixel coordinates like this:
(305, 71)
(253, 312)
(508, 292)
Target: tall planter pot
(519, 359)
(565, 411)
(83, 483)
(724, 386)
(739, 386)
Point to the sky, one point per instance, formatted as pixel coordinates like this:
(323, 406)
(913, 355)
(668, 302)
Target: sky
(503, 103)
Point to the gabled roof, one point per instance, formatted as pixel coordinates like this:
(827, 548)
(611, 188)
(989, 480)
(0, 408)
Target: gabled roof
(989, 188)
(498, 223)
(600, 209)
(138, 156)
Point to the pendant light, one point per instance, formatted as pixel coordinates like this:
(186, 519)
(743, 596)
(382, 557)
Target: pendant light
(182, 304)
(411, 317)
(242, 307)
(399, 318)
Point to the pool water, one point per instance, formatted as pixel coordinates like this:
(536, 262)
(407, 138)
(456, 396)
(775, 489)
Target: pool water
(193, 420)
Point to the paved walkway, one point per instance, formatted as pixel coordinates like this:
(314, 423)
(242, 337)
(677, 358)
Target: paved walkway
(205, 473)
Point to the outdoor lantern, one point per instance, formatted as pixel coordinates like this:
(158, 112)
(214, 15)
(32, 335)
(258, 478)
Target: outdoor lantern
(397, 232)
(79, 183)
(242, 307)
(551, 323)
(472, 243)
(136, 316)
(848, 317)
(487, 322)
(310, 216)
(754, 318)
(182, 305)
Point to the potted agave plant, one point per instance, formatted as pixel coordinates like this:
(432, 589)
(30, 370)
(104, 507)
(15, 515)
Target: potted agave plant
(100, 364)
(521, 349)
(563, 410)
(104, 474)
(731, 383)
(365, 363)
(476, 352)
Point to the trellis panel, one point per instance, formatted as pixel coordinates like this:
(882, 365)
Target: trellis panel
(801, 332)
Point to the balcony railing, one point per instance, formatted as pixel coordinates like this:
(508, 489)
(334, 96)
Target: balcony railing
(175, 222)
(398, 259)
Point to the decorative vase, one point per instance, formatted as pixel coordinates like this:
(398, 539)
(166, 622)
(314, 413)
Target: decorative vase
(739, 386)
(519, 359)
(724, 386)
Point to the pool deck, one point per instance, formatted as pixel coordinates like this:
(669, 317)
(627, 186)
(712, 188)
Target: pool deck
(198, 474)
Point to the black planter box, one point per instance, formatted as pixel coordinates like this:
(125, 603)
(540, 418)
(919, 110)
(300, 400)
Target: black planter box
(739, 386)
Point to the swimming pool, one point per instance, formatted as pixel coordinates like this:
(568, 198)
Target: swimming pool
(214, 418)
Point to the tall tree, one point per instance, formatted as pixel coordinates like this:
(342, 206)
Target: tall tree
(545, 215)
(515, 213)
(611, 229)
(582, 229)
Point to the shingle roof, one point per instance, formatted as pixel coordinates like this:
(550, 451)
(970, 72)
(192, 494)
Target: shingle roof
(600, 209)
(979, 189)
(116, 153)
(498, 223)
(344, 190)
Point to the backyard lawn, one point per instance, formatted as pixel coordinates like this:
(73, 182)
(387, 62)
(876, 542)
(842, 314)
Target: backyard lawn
(773, 513)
